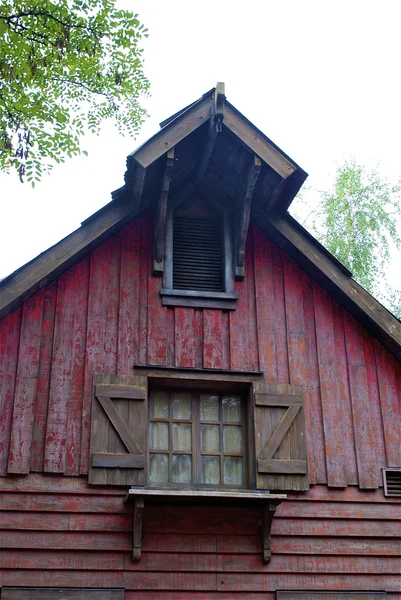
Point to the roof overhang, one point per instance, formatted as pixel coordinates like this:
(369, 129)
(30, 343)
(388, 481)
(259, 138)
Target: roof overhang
(206, 136)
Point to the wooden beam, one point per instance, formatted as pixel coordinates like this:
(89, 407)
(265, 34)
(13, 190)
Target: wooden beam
(172, 134)
(219, 98)
(137, 529)
(257, 143)
(245, 214)
(317, 262)
(161, 215)
(286, 191)
(207, 152)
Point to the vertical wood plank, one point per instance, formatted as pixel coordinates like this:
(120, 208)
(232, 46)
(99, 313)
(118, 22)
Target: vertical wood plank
(63, 433)
(171, 336)
(243, 336)
(279, 314)
(361, 416)
(331, 401)
(128, 333)
(343, 389)
(216, 343)
(390, 404)
(102, 326)
(265, 305)
(10, 329)
(144, 271)
(188, 337)
(252, 317)
(25, 389)
(42, 392)
(296, 340)
(312, 401)
(157, 314)
(374, 405)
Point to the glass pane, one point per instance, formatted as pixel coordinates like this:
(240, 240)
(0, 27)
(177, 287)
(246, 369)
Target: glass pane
(210, 469)
(158, 468)
(209, 408)
(181, 405)
(158, 436)
(232, 439)
(159, 405)
(210, 438)
(231, 409)
(182, 436)
(182, 468)
(233, 471)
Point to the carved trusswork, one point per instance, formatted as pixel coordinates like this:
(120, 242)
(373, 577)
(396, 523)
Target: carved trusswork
(268, 513)
(160, 220)
(245, 213)
(137, 529)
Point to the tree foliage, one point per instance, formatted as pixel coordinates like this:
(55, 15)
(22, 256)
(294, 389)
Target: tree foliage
(65, 66)
(357, 222)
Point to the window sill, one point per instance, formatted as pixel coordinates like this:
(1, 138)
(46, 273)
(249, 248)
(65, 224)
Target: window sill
(135, 492)
(198, 299)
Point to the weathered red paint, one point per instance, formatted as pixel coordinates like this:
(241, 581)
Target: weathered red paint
(105, 315)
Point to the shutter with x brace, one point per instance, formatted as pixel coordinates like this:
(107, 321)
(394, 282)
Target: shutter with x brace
(280, 445)
(118, 430)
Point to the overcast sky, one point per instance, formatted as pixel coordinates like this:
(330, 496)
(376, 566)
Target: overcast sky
(321, 79)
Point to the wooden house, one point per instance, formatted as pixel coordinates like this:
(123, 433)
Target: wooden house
(197, 400)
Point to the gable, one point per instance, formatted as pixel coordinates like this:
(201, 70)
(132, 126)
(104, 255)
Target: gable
(104, 315)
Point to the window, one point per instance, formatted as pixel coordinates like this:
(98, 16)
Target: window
(198, 265)
(196, 438)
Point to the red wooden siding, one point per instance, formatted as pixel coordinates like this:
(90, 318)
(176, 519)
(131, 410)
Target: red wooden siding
(105, 314)
(73, 536)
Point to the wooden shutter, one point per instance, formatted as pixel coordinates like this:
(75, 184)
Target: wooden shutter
(118, 430)
(280, 445)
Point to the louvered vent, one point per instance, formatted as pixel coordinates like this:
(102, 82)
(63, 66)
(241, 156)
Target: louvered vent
(197, 254)
(392, 482)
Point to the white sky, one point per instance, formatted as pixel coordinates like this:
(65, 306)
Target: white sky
(320, 78)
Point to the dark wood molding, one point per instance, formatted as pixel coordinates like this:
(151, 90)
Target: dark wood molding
(139, 507)
(244, 218)
(197, 299)
(161, 215)
(269, 510)
(286, 191)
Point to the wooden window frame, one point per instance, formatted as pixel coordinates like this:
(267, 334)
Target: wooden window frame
(225, 299)
(196, 451)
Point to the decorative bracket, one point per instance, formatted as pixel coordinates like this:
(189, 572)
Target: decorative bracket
(160, 221)
(137, 529)
(268, 513)
(218, 106)
(245, 214)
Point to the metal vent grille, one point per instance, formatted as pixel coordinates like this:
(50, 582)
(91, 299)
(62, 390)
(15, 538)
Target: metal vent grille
(392, 482)
(197, 254)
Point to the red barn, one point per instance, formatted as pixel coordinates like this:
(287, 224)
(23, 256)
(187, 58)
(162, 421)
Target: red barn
(197, 400)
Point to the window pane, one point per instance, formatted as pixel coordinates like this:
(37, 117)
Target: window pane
(209, 408)
(181, 405)
(231, 409)
(182, 469)
(159, 405)
(182, 437)
(232, 439)
(210, 438)
(158, 436)
(210, 469)
(233, 471)
(158, 468)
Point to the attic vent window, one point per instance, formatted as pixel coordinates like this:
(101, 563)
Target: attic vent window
(198, 254)
(392, 482)
(198, 258)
